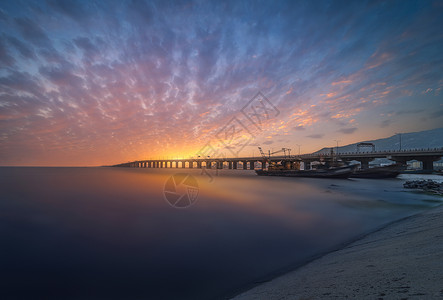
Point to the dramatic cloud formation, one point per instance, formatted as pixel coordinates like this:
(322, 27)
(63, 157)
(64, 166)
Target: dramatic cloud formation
(102, 82)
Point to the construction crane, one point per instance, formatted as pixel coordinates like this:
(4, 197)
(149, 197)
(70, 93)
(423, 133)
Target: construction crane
(284, 150)
(289, 152)
(262, 153)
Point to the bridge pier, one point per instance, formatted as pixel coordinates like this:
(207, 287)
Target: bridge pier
(251, 165)
(428, 163)
(245, 165)
(263, 164)
(307, 165)
(234, 165)
(230, 165)
(364, 162)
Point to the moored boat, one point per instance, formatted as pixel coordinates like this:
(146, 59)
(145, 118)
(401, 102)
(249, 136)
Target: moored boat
(390, 171)
(340, 172)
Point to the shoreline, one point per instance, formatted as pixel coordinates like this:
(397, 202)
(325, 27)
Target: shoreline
(377, 264)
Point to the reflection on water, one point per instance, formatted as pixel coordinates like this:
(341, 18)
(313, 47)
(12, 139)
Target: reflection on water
(109, 233)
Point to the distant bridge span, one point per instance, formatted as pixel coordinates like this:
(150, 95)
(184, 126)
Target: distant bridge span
(426, 156)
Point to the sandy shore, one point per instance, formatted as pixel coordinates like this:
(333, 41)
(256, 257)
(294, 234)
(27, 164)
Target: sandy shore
(401, 261)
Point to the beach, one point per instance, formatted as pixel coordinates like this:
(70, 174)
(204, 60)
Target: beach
(403, 260)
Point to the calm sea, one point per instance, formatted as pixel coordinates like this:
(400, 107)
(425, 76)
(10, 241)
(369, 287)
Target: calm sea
(109, 233)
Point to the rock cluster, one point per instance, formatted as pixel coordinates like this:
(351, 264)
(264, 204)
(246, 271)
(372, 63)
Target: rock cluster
(429, 185)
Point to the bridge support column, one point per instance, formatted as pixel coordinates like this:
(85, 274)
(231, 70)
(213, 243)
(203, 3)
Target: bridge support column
(234, 165)
(230, 165)
(428, 163)
(183, 164)
(307, 165)
(263, 164)
(219, 165)
(199, 164)
(251, 165)
(245, 165)
(191, 164)
(364, 162)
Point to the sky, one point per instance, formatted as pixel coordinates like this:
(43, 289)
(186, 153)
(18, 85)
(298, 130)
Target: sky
(86, 83)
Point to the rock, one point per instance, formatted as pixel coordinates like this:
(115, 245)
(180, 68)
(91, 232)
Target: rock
(429, 185)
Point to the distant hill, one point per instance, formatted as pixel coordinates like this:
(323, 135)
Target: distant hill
(413, 140)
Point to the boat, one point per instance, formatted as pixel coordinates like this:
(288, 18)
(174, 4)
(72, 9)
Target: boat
(339, 172)
(390, 171)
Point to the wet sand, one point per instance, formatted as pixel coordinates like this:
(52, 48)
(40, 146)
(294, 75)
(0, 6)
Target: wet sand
(401, 261)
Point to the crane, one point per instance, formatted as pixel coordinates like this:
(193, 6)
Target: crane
(275, 152)
(262, 153)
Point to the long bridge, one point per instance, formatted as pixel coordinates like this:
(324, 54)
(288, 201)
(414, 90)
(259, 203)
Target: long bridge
(426, 156)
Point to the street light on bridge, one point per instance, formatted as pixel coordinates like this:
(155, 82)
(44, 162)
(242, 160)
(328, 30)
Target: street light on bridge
(399, 134)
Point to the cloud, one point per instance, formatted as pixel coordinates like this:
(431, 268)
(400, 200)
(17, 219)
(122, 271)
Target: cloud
(316, 136)
(409, 111)
(32, 32)
(5, 59)
(268, 142)
(436, 114)
(22, 48)
(347, 130)
(386, 123)
(103, 83)
(299, 128)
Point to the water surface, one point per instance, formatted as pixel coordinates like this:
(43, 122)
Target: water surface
(108, 233)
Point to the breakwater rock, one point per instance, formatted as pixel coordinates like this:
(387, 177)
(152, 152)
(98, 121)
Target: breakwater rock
(429, 185)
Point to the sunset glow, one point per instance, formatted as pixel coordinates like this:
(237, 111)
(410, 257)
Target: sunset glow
(87, 83)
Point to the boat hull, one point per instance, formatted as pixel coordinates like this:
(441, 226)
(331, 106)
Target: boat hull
(379, 172)
(343, 173)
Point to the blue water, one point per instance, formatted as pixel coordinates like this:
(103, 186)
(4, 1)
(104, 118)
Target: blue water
(109, 233)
